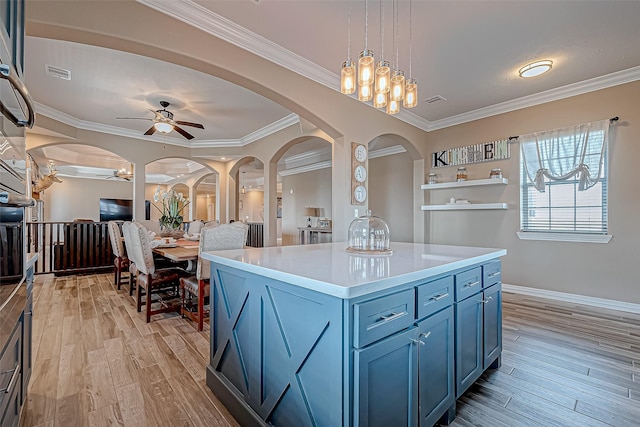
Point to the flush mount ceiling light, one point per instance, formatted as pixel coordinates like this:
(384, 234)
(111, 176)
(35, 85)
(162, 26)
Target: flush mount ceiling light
(535, 68)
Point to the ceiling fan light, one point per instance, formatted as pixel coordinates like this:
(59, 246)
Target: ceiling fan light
(163, 127)
(535, 68)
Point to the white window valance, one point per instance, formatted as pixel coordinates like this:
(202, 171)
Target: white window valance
(561, 154)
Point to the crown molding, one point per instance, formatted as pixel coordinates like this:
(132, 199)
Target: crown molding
(263, 132)
(307, 168)
(574, 89)
(396, 149)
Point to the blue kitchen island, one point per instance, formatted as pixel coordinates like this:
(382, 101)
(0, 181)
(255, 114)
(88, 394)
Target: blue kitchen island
(315, 336)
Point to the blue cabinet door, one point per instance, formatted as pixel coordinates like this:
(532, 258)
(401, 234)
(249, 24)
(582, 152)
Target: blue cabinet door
(469, 319)
(492, 324)
(385, 386)
(435, 366)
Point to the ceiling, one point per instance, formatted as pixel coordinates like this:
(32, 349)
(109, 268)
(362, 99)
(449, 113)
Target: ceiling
(467, 52)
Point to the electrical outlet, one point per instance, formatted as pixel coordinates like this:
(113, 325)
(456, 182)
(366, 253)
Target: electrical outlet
(355, 213)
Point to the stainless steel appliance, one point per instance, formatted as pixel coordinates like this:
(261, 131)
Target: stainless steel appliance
(16, 113)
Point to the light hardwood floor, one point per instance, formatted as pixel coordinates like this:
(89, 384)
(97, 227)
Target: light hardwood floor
(96, 362)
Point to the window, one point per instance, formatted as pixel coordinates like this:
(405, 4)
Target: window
(564, 183)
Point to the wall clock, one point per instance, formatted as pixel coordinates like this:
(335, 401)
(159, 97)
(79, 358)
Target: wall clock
(359, 157)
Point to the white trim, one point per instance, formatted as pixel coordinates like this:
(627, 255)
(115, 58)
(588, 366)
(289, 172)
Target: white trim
(573, 298)
(307, 168)
(464, 206)
(212, 23)
(382, 152)
(564, 237)
(470, 183)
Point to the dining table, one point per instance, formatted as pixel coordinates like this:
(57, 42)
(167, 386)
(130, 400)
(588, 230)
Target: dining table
(179, 251)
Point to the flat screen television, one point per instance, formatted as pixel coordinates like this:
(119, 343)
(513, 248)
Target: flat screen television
(116, 210)
(121, 209)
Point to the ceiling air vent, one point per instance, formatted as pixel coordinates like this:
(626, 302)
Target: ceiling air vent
(435, 99)
(60, 73)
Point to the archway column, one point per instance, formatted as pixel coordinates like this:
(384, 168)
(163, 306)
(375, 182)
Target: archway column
(270, 233)
(419, 217)
(343, 211)
(139, 181)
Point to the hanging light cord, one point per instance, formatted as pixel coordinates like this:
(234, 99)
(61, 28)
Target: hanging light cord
(381, 33)
(349, 31)
(366, 24)
(410, 39)
(395, 32)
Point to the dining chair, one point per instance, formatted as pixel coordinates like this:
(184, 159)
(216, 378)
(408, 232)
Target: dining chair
(212, 238)
(195, 227)
(133, 271)
(151, 225)
(121, 261)
(158, 283)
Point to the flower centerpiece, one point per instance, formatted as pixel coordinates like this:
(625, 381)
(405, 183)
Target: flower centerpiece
(173, 203)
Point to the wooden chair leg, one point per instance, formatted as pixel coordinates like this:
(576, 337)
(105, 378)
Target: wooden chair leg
(148, 300)
(138, 298)
(116, 275)
(200, 305)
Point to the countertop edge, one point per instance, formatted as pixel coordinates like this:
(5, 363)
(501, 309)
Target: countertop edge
(356, 290)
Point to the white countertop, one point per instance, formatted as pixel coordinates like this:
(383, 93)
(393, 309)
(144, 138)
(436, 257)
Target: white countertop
(329, 269)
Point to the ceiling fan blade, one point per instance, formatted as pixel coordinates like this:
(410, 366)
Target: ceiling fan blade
(195, 125)
(133, 118)
(183, 132)
(151, 131)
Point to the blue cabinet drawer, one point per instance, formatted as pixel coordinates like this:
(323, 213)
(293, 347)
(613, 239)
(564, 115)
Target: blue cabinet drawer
(491, 274)
(434, 296)
(381, 317)
(468, 283)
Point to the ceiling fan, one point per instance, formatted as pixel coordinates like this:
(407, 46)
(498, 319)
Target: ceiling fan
(123, 173)
(164, 123)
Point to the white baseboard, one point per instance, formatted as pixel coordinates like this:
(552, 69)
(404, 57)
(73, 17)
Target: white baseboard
(573, 298)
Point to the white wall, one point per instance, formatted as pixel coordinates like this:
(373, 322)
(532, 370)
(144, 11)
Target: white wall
(390, 196)
(252, 207)
(78, 198)
(310, 189)
(597, 270)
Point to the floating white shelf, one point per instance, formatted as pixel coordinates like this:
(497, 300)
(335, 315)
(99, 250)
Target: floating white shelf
(464, 206)
(471, 183)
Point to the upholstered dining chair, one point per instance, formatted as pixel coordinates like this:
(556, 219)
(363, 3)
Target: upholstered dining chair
(212, 238)
(155, 282)
(120, 261)
(151, 225)
(195, 227)
(133, 271)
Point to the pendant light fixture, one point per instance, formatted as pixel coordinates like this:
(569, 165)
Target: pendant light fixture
(365, 59)
(243, 190)
(397, 78)
(348, 73)
(411, 86)
(383, 69)
(386, 86)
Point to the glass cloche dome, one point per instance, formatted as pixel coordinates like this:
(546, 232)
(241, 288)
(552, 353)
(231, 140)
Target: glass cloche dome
(369, 234)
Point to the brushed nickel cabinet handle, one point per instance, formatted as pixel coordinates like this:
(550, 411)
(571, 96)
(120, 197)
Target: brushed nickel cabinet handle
(493, 274)
(415, 341)
(438, 297)
(392, 316)
(425, 335)
(16, 371)
(471, 284)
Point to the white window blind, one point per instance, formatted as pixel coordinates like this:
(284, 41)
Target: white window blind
(564, 180)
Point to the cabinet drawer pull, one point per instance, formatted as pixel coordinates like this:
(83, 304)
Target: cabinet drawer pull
(471, 284)
(493, 274)
(425, 335)
(439, 297)
(392, 316)
(486, 301)
(16, 371)
(417, 341)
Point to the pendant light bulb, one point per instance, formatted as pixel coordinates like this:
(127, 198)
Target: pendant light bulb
(393, 107)
(347, 78)
(365, 68)
(410, 94)
(380, 99)
(383, 72)
(397, 86)
(365, 93)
